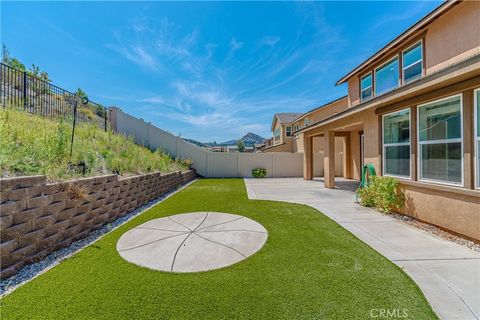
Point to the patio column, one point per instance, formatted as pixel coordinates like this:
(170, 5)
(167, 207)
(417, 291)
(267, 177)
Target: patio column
(307, 157)
(329, 159)
(347, 157)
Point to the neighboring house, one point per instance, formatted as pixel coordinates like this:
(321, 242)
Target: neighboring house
(232, 149)
(282, 132)
(413, 111)
(313, 116)
(293, 141)
(258, 147)
(218, 148)
(268, 143)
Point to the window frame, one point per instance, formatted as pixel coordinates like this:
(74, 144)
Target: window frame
(397, 56)
(409, 143)
(476, 139)
(306, 122)
(403, 67)
(275, 135)
(287, 129)
(456, 140)
(363, 89)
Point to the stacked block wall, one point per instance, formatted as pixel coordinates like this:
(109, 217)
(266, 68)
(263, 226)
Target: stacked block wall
(37, 218)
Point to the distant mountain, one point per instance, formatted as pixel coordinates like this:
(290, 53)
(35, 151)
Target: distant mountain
(228, 143)
(249, 140)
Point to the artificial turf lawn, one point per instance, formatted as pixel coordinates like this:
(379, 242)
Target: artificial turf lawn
(310, 267)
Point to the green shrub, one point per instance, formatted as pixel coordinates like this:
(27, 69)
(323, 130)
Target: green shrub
(187, 162)
(382, 193)
(259, 173)
(87, 112)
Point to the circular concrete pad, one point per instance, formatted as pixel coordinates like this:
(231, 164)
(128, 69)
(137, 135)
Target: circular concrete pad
(192, 242)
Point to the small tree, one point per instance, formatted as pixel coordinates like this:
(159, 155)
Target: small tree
(17, 64)
(36, 72)
(241, 146)
(11, 61)
(81, 94)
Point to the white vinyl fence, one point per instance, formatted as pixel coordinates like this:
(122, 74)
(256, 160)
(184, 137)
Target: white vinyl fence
(215, 164)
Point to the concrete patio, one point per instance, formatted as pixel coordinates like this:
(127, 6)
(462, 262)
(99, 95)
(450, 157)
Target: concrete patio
(446, 272)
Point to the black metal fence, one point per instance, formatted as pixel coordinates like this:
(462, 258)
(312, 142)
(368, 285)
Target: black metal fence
(22, 90)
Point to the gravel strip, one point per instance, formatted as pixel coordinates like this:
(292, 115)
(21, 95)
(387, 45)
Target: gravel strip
(31, 271)
(437, 231)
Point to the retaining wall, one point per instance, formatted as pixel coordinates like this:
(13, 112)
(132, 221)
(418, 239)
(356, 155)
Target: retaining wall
(37, 218)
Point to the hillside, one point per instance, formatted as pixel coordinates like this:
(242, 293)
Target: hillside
(32, 145)
(251, 138)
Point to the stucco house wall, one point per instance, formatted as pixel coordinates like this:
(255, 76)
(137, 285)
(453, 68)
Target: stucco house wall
(448, 40)
(451, 39)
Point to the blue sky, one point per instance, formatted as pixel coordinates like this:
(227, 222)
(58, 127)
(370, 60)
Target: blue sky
(211, 71)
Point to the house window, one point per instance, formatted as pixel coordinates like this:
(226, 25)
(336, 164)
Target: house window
(276, 134)
(396, 144)
(288, 131)
(477, 136)
(412, 63)
(305, 122)
(386, 77)
(366, 87)
(440, 140)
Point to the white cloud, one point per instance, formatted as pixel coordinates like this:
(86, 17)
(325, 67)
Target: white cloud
(234, 46)
(136, 53)
(155, 99)
(269, 41)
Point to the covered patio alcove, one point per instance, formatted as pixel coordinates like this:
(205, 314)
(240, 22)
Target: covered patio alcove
(360, 145)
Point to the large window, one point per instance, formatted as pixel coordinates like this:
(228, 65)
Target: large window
(477, 136)
(288, 131)
(412, 63)
(440, 140)
(396, 144)
(366, 87)
(276, 135)
(386, 77)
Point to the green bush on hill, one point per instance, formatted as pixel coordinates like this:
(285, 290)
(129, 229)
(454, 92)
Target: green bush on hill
(31, 145)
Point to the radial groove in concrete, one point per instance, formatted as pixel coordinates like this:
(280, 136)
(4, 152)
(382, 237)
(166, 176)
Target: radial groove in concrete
(192, 242)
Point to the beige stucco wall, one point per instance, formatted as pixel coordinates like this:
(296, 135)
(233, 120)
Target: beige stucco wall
(297, 141)
(453, 37)
(355, 153)
(284, 147)
(323, 112)
(372, 135)
(455, 212)
(329, 110)
(353, 91)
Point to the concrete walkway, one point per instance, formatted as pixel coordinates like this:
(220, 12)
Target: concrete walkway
(447, 273)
